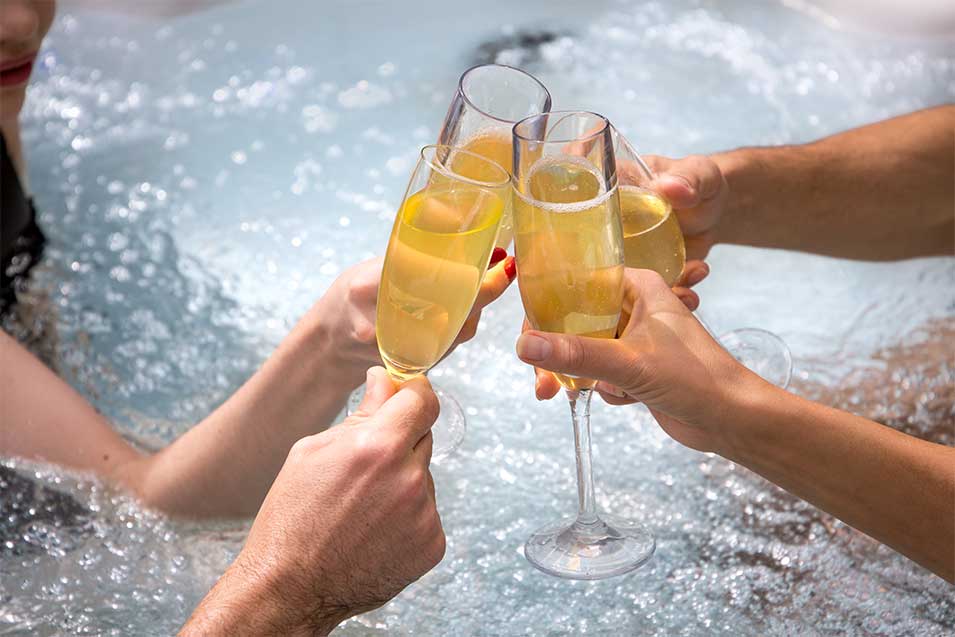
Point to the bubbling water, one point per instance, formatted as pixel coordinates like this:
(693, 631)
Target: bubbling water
(202, 184)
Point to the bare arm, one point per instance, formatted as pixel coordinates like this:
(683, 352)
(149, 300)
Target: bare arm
(894, 487)
(224, 465)
(880, 192)
(41, 417)
(897, 488)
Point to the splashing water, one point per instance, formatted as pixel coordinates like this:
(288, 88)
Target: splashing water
(204, 179)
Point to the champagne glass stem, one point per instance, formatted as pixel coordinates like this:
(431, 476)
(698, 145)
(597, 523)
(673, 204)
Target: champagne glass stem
(580, 413)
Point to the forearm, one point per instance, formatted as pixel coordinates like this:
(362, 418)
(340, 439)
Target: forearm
(880, 192)
(896, 488)
(225, 465)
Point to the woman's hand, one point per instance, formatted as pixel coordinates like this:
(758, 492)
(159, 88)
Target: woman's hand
(345, 315)
(664, 358)
(546, 385)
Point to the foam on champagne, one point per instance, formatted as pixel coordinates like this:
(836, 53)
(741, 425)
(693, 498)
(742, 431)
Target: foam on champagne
(652, 238)
(570, 261)
(439, 249)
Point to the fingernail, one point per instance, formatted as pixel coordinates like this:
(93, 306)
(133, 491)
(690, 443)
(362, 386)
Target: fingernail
(510, 268)
(533, 348)
(697, 274)
(496, 257)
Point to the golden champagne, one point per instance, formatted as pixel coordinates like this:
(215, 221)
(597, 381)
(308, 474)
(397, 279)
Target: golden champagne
(652, 238)
(494, 145)
(570, 261)
(439, 249)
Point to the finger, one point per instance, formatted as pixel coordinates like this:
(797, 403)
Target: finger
(411, 412)
(379, 387)
(546, 385)
(364, 285)
(698, 246)
(690, 181)
(693, 272)
(431, 490)
(613, 395)
(599, 358)
(610, 399)
(689, 298)
(496, 281)
(657, 163)
(423, 450)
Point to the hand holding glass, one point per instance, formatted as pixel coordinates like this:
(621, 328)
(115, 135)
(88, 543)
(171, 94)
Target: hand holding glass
(570, 261)
(438, 253)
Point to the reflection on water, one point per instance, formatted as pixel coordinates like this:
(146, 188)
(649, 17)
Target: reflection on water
(203, 180)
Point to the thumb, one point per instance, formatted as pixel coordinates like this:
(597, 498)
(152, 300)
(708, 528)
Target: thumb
(598, 358)
(378, 388)
(679, 190)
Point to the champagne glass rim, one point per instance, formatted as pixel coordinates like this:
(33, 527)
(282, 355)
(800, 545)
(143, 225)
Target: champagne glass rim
(428, 156)
(469, 102)
(623, 141)
(605, 125)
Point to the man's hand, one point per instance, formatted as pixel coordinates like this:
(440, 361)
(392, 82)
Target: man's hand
(664, 358)
(698, 192)
(349, 522)
(346, 313)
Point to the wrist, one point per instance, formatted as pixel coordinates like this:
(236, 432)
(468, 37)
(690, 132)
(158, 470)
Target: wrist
(748, 406)
(261, 600)
(326, 355)
(737, 167)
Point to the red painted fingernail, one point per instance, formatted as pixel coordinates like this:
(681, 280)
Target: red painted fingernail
(496, 257)
(510, 268)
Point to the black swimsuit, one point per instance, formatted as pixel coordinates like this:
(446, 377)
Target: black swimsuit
(21, 240)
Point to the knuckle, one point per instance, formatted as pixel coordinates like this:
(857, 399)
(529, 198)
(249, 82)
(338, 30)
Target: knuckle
(470, 328)
(411, 488)
(364, 331)
(652, 279)
(428, 406)
(632, 377)
(437, 548)
(300, 449)
(356, 288)
(417, 480)
(369, 448)
(574, 354)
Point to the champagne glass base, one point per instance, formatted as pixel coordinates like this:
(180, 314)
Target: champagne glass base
(761, 351)
(448, 430)
(609, 547)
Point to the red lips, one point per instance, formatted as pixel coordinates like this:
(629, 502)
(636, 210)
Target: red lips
(16, 71)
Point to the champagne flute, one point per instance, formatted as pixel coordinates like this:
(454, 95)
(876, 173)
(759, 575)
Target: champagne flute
(570, 265)
(489, 100)
(439, 250)
(653, 240)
